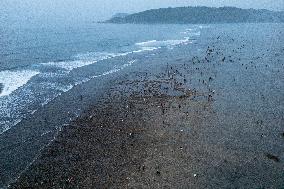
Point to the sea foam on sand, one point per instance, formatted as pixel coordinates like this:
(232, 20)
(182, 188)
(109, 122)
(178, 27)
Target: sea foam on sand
(12, 80)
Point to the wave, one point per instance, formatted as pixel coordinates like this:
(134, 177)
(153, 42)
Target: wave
(12, 80)
(115, 69)
(59, 73)
(69, 65)
(159, 44)
(193, 32)
(81, 60)
(89, 58)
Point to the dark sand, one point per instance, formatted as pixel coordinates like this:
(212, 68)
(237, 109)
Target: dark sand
(205, 118)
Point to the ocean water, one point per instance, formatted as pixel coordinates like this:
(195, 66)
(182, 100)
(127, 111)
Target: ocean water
(40, 62)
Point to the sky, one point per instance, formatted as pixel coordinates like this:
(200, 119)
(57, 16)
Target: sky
(97, 10)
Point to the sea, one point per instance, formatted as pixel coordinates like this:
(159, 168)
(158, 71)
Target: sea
(39, 62)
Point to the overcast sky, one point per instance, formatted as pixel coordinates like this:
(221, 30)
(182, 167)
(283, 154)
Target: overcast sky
(87, 10)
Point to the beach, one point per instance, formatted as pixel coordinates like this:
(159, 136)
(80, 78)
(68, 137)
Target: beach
(207, 114)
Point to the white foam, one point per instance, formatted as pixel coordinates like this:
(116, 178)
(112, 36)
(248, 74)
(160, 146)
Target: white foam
(95, 56)
(196, 33)
(143, 49)
(192, 32)
(116, 69)
(110, 72)
(46, 101)
(82, 60)
(146, 43)
(56, 86)
(205, 26)
(154, 44)
(190, 29)
(12, 80)
(69, 65)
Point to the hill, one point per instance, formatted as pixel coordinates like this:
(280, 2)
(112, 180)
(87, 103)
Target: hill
(200, 15)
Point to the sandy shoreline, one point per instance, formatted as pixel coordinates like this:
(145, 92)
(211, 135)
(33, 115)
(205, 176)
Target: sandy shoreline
(116, 143)
(213, 120)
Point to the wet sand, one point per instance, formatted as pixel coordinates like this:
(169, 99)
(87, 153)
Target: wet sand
(208, 118)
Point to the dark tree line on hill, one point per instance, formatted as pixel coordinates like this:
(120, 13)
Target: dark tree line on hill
(201, 15)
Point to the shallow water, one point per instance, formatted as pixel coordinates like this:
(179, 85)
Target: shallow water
(38, 63)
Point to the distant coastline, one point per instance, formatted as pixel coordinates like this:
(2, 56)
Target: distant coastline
(200, 15)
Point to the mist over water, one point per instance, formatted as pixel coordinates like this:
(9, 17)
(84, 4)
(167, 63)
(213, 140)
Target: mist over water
(73, 11)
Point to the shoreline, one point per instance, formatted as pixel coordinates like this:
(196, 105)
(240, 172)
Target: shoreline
(120, 132)
(191, 119)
